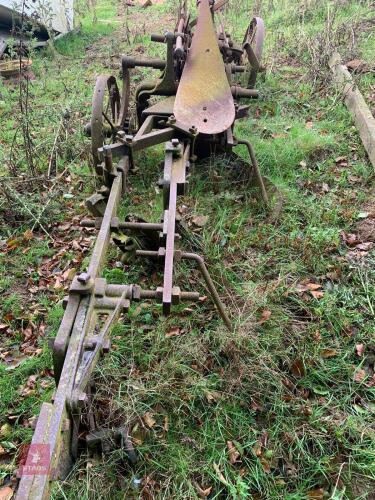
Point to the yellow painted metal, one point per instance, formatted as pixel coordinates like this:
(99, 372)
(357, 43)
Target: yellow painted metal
(204, 97)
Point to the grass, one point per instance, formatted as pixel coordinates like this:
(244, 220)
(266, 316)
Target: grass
(275, 409)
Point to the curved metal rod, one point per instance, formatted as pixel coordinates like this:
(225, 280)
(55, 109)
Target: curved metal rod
(256, 168)
(210, 285)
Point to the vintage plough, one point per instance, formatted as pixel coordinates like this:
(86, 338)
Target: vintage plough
(191, 108)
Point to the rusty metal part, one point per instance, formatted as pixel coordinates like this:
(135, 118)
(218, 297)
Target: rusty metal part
(216, 7)
(256, 169)
(179, 52)
(204, 97)
(108, 439)
(240, 92)
(132, 62)
(166, 85)
(190, 108)
(210, 285)
(164, 107)
(109, 111)
(207, 278)
(116, 224)
(157, 38)
(253, 46)
(176, 163)
(56, 423)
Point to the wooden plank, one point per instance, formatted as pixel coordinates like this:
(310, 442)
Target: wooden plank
(363, 118)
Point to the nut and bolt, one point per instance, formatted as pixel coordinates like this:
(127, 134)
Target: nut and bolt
(83, 278)
(82, 399)
(106, 346)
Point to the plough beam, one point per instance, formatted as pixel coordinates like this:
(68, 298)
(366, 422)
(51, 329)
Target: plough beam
(191, 108)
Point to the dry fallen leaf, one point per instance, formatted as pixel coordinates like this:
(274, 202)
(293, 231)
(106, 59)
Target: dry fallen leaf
(149, 420)
(13, 243)
(202, 493)
(317, 494)
(365, 247)
(200, 220)
(266, 314)
(234, 454)
(266, 465)
(359, 376)
(173, 332)
(313, 286)
(58, 285)
(341, 159)
(166, 424)
(69, 274)
(357, 65)
(28, 235)
(349, 238)
(297, 368)
(213, 395)
(29, 388)
(257, 449)
(359, 349)
(16, 362)
(328, 353)
(309, 287)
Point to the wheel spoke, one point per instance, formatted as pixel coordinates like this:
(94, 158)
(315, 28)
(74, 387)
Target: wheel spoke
(107, 107)
(108, 120)
(106, 116)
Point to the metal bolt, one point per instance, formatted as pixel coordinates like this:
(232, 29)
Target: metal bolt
(83, 278)
(172, 119)
(90, 345)
(193, 129)
(159, 293)
(175, 142)
(106, 346)
(82, 399)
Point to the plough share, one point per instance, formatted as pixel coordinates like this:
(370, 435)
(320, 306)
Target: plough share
(191, 108)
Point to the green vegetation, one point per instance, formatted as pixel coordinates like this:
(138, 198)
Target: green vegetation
(284, 406)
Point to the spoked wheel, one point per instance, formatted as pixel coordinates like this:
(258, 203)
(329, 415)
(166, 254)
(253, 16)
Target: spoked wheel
(109, 112)
(253, 48)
